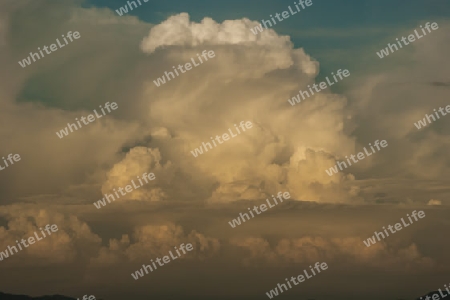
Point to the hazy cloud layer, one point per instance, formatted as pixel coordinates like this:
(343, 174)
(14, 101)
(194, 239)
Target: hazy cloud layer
(281, 242)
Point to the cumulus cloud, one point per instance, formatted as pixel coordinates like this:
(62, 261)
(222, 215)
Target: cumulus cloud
(251, 78)
(138, 161)
(73, 240)
(150, 241)
(288, 148)
(351, 250)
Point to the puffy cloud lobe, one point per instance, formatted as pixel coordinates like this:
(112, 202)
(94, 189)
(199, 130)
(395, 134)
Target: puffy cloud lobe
(307, 179)
(351, 250)
(275, 51)
(150, 241)
(178, 30)
(138, 161)
(74, 239)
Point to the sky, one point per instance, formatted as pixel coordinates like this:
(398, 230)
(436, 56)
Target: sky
(155, 129)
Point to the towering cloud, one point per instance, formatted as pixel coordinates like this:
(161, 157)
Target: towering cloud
(287, 149)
